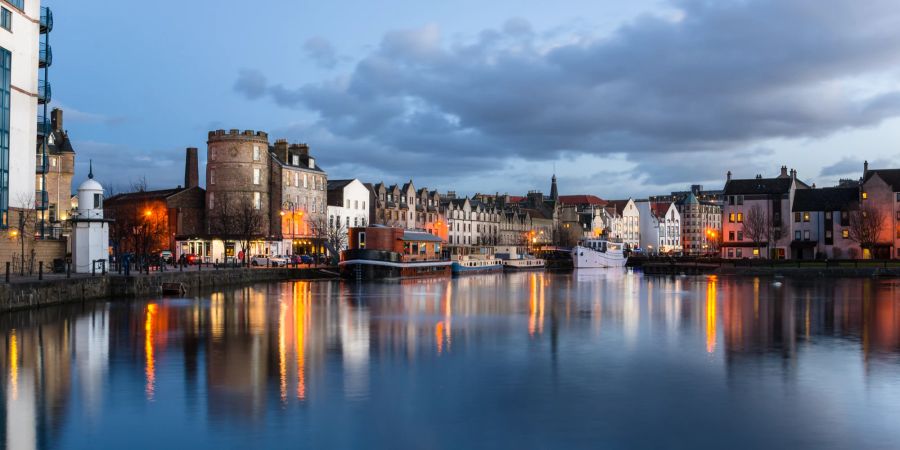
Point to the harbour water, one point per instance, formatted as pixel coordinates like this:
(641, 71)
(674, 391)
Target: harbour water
(600, 359)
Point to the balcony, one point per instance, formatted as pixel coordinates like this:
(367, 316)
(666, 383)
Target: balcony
(46, 20)
(46, 56)
(43, 126)
(41, 200)
(44, 92)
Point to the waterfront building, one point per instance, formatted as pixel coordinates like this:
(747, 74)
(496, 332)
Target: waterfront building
(164, 219)
(348, 205)
(584, 213)
(23, 89)
(821, 219)
(298, 196)
(55, 177)
(90, 238)
(701, 225)
(470, 222)
(880, 190)
(278, 193)
(625, 223)
(405, 207)
(660, 227)
(772, 197)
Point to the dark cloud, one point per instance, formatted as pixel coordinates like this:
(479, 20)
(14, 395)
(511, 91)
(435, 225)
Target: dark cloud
(321, 52)
(846, 166)
(713, 80)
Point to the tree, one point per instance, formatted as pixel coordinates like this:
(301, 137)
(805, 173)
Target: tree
(334, 234)
(758, 226)
(865, 224)
(24, 230)
(246, 222)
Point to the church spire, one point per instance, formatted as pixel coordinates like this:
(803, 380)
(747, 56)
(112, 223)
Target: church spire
(554, 193)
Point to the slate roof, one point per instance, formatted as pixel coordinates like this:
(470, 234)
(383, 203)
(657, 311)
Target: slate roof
(890, 176)
(826, 199)
(338, 184)
(581, 200)
(419, 236)
(760, 186)
(145, 195)
(617, 205)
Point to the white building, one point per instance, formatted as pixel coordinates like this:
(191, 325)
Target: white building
(625, 222)
(660, 227)
(471, 222)
(348, 204)
(90, 234)
(20, 94)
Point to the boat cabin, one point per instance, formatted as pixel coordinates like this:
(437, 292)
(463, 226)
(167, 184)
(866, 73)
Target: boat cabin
(411, 245)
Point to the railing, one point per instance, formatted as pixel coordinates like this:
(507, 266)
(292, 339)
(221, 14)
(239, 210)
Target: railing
(46, 56)
(46, 19)
(41, 200)
(44, 92)
(43, 126)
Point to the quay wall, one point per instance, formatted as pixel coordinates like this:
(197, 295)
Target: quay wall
(33, 294)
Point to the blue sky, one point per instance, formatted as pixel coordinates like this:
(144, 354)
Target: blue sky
(622, 98)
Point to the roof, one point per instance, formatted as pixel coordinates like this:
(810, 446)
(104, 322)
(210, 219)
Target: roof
(758, 186)
(890, 176)
(826, 199)
(338, 184)
(144, 195)
(516, 198)
(690, 199)
(617, 205)
(419, 236)
(581, 200)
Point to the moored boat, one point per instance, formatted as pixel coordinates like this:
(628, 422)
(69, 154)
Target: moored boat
(514, 262)
(597, 254)
(471, 264)
(384, 253)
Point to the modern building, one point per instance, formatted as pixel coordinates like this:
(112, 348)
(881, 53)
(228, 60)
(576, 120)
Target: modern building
(880, 190)
(660, 227)
(821, 223)
(701, 225)
(772, 198)
(348, 205)
(22, 57)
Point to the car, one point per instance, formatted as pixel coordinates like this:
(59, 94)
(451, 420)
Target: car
(306, 259)
(166, 256)
(192, 259)
(272, 261)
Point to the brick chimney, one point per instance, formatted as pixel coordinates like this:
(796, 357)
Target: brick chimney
(784, 172)
(281, 150)
(191, 168)
(56, 119)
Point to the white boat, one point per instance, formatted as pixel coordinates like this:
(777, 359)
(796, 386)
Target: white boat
(598, 253)
(513, 261)
(476, 264)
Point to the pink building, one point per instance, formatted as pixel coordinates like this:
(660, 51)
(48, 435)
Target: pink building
(881, 190)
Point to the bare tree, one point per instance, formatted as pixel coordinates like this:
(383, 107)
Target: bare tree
(865, 224)
(246, 223)
(334, 234)
(757, 226)
(24, 230)
(139, 185)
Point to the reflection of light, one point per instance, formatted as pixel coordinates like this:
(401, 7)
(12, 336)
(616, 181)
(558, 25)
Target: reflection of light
(282, 363)
(439, 336)
(14, 364)
(301, 318)
(711, 293)
(150, 369)
(217, 315)
(536, 305)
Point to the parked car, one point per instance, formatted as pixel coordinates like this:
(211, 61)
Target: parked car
(273, 260)
(166, 256)
(306, 259)
(192, 258)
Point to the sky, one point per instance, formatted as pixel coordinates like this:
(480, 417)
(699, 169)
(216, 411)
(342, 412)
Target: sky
(619, 99)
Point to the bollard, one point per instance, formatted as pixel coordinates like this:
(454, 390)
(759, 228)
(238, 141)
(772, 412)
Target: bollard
(7, 271)
(68, 269)
(93, 268)
(40, 270)
(181, 267)
(216, 264)
(103, 268)
(200, 266)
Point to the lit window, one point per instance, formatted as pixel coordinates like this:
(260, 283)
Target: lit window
(865, 195)
(806, 217)
(845, 234)
(740, 217)
(755, 252)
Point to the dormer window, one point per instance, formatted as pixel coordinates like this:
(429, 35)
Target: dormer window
(312, 163)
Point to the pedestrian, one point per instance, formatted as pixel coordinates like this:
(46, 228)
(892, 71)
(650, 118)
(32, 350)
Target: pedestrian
(241, 257)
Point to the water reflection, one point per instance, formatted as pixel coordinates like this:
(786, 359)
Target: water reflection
(271, 354)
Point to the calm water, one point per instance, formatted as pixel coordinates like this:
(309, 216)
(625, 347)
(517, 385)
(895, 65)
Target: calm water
(597, 360)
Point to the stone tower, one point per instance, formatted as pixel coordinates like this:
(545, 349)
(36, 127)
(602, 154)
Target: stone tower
(237, 173)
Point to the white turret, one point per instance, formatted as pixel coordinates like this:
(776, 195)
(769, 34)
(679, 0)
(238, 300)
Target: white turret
(90, 240)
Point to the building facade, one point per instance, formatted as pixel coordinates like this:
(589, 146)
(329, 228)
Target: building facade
(298, 193)
(471, 223)
(880, 191)
(701, 225)
(660, 227)
(348, 205)
(56, 179)
(405, 207)
(625, 223)
(821, 223)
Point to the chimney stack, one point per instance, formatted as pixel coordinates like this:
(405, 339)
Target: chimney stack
(191, 168)
(281, 150)
(784, 172)
(865, 168)
(793, 174)
(56, 119)
(729, 176)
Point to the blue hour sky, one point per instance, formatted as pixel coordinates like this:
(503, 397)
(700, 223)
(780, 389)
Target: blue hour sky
(621, 98)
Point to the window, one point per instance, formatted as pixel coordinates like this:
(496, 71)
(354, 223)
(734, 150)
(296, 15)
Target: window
(740, 235)
(212, 154)
(865, 195)
(755, 252)
(806, 217)
(740, 217)
(296, 179)
(257, 200)
(828, 234)
(805, 235)
(845, 234)
(362, 240)
(98, 201)
(731, 253)
(305, 185)
(256, 176)
(739, 253)
(6, 19)
(740, 200)
(256, 153)
(212, 200)
(898, 196)
(53, 162)
(212, 176)
(731, 218)
(797, 235)
(17, 3)
(797, 217)
(828, 215)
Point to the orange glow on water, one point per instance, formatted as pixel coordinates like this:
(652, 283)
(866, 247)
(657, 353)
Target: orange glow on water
(150, 363)
(14, 364)
(439, 336)
(282, 357)
(301, 320)
(711, 294)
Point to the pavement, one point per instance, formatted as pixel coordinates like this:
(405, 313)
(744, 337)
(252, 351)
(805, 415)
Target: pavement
(17, 278)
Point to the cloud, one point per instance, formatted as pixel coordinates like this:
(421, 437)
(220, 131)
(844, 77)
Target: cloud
(117, 166)
(321, 52)
(851, 166)
(73, 115)
(707, 80)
